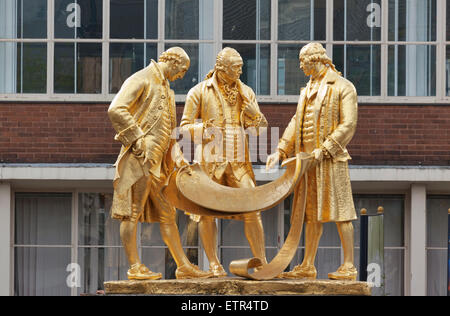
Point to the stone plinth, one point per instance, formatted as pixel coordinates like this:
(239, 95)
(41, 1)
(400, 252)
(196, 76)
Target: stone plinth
(237, 286)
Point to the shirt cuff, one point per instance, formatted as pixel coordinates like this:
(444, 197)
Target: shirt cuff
(129, 135)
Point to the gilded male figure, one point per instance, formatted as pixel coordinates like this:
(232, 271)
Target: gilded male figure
(323, 125)
(143, 115)
(220, 109)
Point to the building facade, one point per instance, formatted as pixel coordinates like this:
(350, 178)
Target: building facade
(62, 61)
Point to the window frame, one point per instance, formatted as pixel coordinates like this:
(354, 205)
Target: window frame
(441, 44)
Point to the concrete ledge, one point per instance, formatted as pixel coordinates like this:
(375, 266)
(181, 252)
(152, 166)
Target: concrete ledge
(237, 286)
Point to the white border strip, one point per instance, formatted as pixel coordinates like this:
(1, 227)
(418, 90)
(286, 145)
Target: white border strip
(106, 172)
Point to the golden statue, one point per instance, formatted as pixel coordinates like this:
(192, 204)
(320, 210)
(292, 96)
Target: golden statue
(220, 109)
(143, 115)
(323, 125)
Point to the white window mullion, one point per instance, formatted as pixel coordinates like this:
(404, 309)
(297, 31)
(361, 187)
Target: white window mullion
(105, 47)
(444, 41)
(50, 46)
(74, 250)
(218, 27)
(441, 50)
(329, 28)
(384, 48)
(161, 25)
(274, 49)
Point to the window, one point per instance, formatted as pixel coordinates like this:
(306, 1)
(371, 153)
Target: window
(392, 50)
(437, 244)
(410, 23)
(394, 241)
(53, 232)
(42, 243)
(100, 254)
(23, 64)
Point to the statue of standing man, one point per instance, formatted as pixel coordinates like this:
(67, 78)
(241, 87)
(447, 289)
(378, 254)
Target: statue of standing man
(220, 109)
(323, 125)
(143, 115)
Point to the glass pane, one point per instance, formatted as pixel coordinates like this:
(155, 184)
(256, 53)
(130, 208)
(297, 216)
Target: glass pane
(437, 265)
(246, 20)
(32, 19)
(256, 69)
(290, 77)
(9, 66)
(182, 19)
(64, 68)
(23, 18)
(437, 221)
(89, 68)
(134, 19)
(24, 67)
(327, 260)
(394, 263)
(192, 77)
(78, 68)
(98, 265)
(151, 9)
(43, 218)
(31, 68)
(78, 19)
(95, 225)
(448, 22)
(188, 229)
(361, 64)
(412, 70)
(447, 70)
(232, 231)
(41, 271)
(127, 58)
(127, 19)
(151, 235)
(301, 19)
(357, 20)
(412, 20)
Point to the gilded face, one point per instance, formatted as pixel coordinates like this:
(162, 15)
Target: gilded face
(233, 70)
(306, 66)
(178, 71)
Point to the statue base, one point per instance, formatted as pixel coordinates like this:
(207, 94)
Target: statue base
(237, 286)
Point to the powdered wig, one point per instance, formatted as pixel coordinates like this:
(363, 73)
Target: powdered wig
(314, 52)
(175, 55)
(222, 60)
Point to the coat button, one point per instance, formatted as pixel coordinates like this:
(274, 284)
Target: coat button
(163, 96)
(160, 107)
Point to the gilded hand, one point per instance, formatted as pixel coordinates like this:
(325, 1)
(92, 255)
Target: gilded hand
(318, 154)
(210, 131)
(272, 160)
(138, 148)
(251, 109)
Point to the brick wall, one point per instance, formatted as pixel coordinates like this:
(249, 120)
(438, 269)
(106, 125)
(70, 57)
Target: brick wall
(392, 134)
(82, 133)
(56, 133)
